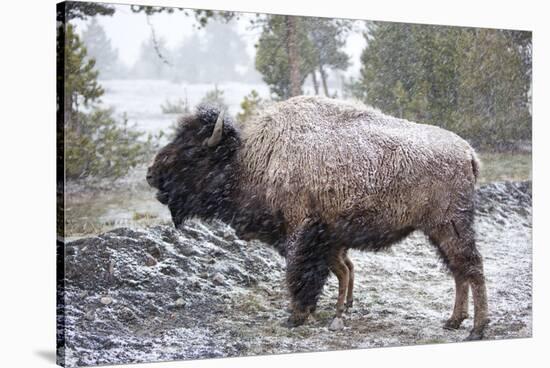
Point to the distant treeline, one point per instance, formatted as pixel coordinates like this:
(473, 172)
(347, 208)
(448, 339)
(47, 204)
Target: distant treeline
(475, 82)
(217, 57)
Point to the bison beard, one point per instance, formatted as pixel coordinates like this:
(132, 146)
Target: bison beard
(210, 171)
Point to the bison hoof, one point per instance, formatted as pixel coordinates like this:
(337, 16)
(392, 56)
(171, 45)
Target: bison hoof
(474, 336)
(452, 324)
(336, 324)
(477, 333)
(295, 320)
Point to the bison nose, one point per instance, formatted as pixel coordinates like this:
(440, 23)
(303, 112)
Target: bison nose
(149, 178)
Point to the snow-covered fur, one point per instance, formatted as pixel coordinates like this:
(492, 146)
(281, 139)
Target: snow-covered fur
(317, 176)
(313, 156)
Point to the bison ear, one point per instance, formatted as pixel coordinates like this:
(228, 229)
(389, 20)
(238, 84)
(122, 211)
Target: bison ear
(216, 136)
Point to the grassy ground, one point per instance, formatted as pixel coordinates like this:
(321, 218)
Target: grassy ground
(505, 166)
(95, 207)
(92, 210)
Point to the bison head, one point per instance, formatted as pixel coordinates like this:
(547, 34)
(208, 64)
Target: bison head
(194, 174)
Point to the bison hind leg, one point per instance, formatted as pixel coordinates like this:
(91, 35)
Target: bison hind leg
(339, 266)
(349, 296)
(455, 241)
(307, 269)
(460, 310)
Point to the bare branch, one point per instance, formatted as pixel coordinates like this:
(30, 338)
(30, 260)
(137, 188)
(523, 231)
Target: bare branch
(155, 42)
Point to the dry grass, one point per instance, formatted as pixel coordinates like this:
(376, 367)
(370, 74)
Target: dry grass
(505, 166)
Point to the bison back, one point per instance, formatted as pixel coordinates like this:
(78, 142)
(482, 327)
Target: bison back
(311, 156)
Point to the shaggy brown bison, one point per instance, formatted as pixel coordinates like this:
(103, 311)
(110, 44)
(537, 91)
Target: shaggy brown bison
(316, 177)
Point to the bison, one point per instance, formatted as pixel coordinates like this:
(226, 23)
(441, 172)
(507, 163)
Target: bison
(316, 177)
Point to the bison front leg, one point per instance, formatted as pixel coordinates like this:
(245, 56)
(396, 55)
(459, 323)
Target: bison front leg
(307, 270)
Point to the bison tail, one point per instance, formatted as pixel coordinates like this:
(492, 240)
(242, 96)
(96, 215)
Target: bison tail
(476, 166)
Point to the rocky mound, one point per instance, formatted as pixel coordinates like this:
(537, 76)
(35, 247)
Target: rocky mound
(136, 295)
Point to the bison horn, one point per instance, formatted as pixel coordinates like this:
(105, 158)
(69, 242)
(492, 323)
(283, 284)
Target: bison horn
(216, 136)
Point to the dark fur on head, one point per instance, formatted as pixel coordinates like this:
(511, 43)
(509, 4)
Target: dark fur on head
(192, 178)
(195, 180)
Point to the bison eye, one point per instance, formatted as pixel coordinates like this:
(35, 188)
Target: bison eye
(189, 147)
(189, 150)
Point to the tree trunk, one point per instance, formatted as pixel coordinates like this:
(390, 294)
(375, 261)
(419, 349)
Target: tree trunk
(315, 82)
(68, 108)
(293, 56)
(323, 79)
(69, 115)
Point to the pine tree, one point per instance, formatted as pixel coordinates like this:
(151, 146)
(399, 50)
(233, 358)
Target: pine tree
(80, 77)
(83, 10)
(475, 82)
(328, 39)
(198, 58)
(95, 144)
(99, 48)
(149, 65)
(249, 106)
(188, 58)
(289, 51)
(493, 90)
(282, 68)
(214, 97)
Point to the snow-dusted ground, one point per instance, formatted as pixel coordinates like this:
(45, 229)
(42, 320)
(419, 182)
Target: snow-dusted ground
(136, 295)
(141, 99)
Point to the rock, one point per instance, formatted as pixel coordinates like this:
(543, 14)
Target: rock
(180, 302)
(229, 235)
(336, 324)
(89, 315)
(155, 252)
(106, 300)
(150, 260)
(196, 286)
(239, 243)
(218, 279)
(127, 315)
(169, 270)
(189, 252)
(504, 197)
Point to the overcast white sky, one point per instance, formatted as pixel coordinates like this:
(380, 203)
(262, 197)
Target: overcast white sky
(127, 30)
